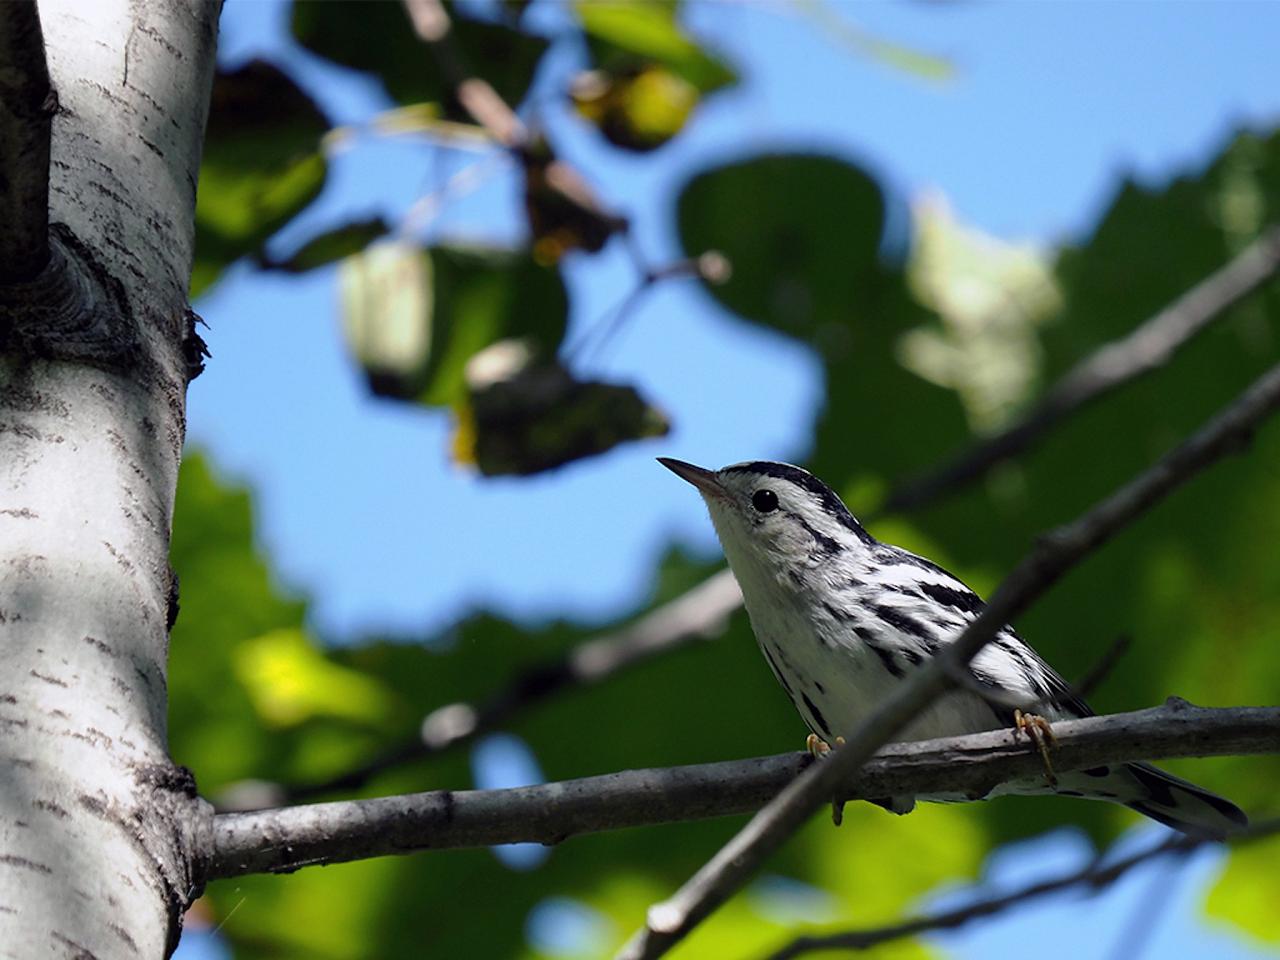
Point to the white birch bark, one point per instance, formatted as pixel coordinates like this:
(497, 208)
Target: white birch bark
(95, 823)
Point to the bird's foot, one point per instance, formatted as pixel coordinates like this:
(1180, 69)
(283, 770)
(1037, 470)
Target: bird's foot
(1040, 733)
(819, 748)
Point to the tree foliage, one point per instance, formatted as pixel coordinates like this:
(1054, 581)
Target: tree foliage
(255, 695)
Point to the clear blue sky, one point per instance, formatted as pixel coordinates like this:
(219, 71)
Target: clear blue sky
(357, 505)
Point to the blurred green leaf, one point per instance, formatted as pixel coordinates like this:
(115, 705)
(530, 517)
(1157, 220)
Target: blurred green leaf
(864, 43)
(1245, 894)
(414, 317)
(526, 416)
(637, 110)
(290, 680)
(332, 245)
(262, 164)
(803, 234)
(648, 76)
(627, 34)
(379, 38)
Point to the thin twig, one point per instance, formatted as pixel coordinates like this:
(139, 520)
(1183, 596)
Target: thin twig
(27, 106)
(973, 765)
(1094, 876)
(711, 267)
(1057, 552)
(1103, 666)
(1108, 368)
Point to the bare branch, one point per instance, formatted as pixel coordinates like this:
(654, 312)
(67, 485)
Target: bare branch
(1092, 877)
(292, 837)
(1108, 368)
(27, 106)
(1056, 553)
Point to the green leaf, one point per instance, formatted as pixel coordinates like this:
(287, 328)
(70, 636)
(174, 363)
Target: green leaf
(648, 75)
(626, 34)
(526, 416)
(803, 235)
(414, 317)
(1245, 894)
(330, 246)
(639, 110)
(866, 44)
(289, 681)
(262, 164)
(380, 39)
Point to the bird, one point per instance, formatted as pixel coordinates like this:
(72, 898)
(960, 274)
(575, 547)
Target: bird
(843, 618)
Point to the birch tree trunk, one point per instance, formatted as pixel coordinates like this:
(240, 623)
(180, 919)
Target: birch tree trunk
(96, 825)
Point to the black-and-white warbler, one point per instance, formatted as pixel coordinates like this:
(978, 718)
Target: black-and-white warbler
(842, 618)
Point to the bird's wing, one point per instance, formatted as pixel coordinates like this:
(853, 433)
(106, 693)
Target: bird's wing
(1007, 662)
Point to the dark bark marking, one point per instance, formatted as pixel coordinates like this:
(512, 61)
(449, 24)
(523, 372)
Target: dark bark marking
(167, 776)
(50, 807)
(100, 646)
(53, 680)
(20, 513)
(13, 860)
(78, 951)
(446, 800)
(8, 698)
(123, 934)
(94, 806)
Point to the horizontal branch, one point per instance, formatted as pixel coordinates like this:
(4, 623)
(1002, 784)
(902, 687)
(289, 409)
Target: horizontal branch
(1113, 365)
(1052, 556)
(1093, 877)
(27, 106)
(288, 838)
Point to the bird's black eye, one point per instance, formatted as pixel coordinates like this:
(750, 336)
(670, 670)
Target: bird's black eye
(766, 501)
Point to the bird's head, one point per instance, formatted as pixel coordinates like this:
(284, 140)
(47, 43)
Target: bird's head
(774, 519)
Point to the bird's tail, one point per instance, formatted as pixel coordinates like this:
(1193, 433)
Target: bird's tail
(1161, 796)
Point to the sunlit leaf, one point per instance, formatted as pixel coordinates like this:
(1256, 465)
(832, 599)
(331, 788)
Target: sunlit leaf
(1245, 894)
(647, 75)
(639, 110)
(626, 34)
(414, 317)
(990, 296)
(833, 23)
(290, 680)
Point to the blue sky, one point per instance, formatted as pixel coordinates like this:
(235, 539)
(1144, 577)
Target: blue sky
(1053, 104)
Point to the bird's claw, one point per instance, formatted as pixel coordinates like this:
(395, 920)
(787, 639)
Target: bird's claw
(819, 748)
(1040, 733)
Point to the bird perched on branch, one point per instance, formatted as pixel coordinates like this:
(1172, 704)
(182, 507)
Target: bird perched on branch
(842, 618)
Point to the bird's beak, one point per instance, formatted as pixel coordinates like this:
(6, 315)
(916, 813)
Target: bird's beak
(705, 480)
